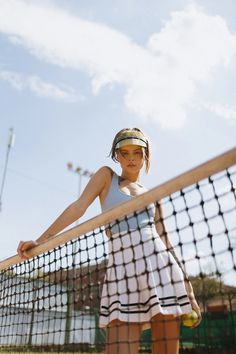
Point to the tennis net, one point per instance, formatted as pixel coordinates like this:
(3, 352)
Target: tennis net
(112, 265)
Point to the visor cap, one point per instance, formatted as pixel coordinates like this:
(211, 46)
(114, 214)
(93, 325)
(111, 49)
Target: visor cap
(131, 138)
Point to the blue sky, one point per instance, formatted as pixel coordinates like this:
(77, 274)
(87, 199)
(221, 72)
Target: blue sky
(73, 73)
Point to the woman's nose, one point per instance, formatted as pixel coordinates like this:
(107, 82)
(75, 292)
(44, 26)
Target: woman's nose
(130, 157)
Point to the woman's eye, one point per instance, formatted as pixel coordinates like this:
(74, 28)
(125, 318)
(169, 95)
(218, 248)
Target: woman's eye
(135, 153)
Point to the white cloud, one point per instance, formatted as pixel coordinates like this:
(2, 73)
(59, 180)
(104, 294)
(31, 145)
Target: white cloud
(39, 87)
(160, 80)
(222, 110)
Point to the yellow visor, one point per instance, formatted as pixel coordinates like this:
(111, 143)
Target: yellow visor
(131, 138)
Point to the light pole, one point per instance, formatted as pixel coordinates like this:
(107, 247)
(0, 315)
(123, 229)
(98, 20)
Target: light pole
(71, 288)
(80, 172)
(10, 144)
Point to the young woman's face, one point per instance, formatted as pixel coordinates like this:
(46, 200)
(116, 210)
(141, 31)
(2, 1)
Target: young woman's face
(131, 157)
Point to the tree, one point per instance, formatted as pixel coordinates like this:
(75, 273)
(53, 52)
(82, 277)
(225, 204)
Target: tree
(206, 286)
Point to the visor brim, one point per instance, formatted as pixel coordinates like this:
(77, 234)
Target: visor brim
(132, 141)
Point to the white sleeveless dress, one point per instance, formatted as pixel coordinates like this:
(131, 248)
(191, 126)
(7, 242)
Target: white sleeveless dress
(142, 277)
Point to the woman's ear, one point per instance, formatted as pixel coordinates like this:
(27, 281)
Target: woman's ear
(117, 156)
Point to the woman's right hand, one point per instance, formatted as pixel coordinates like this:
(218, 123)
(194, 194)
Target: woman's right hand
(24, 246)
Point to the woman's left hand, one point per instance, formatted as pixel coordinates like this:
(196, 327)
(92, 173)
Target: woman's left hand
(193, 302)
(197, 309)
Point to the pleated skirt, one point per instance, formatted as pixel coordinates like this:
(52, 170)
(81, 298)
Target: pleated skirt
(142, 279)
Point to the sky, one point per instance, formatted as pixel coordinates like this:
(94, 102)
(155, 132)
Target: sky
(73, 73)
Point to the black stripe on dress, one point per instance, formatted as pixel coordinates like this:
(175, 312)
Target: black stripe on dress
(162, 299)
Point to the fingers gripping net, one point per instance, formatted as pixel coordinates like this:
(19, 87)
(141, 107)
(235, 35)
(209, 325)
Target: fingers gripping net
(63, 298)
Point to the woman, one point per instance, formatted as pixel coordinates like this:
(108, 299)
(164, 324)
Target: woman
(145, 285)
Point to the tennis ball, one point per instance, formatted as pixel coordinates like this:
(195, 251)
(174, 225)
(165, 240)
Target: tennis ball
(190, 319)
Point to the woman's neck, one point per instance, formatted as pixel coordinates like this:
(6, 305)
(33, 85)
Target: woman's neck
(130, 177)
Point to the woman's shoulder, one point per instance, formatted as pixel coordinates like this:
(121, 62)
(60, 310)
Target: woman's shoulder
(105, 176)
(105, 173)
(106, 170)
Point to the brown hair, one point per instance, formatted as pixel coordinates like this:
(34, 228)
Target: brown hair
(146, 149)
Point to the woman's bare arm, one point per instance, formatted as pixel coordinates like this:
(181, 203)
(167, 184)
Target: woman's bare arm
(73, 212)
(161, 230)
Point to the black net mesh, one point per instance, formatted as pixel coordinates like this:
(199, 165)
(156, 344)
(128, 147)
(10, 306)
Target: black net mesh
(64, 299)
